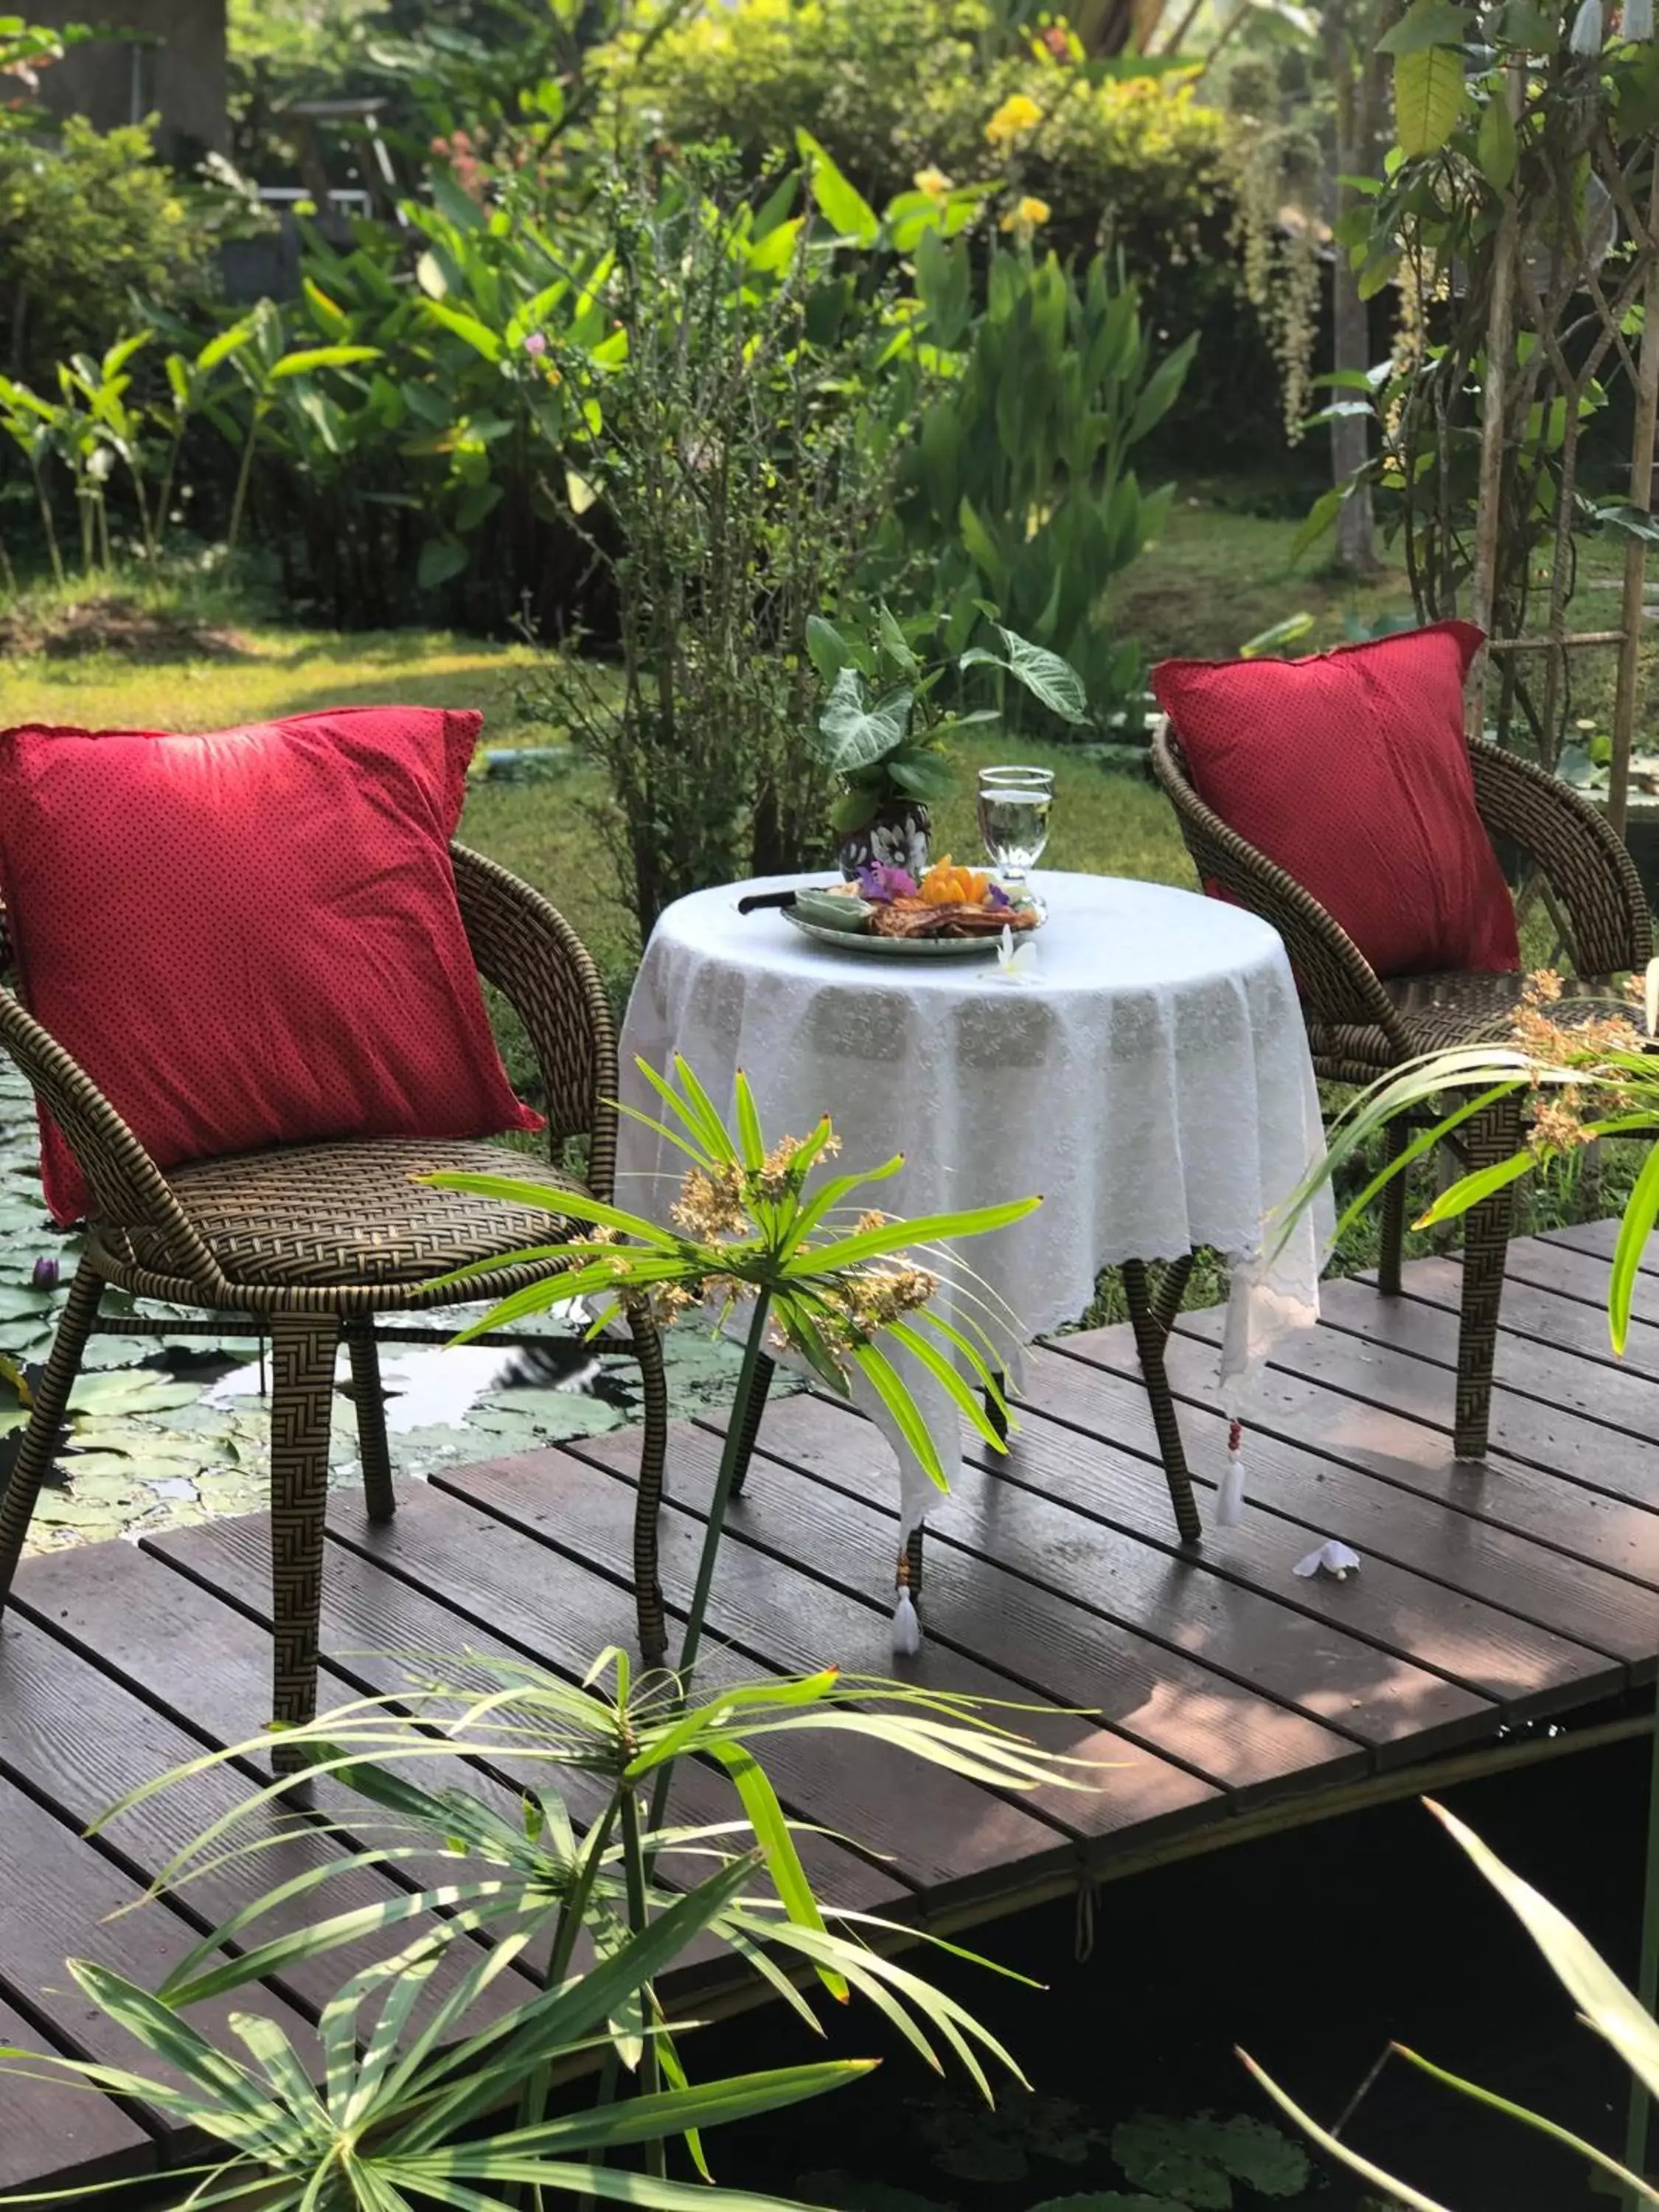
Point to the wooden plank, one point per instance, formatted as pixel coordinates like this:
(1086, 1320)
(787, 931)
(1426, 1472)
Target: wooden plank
(1418, 1667)
(1551, 1368)
(54, 2135)
(1583, 1276)
(76, 1738)
(941, 1832)
(1553, 1438)
(1021, 1643)
(60, 1899)
(1040, 1511)
(79, 1731)
(1490, 1570)
(1600, 1238)
(1301, 1409)
(370, 1613)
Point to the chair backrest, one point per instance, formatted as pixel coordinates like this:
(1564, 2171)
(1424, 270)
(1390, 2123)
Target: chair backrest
(524, 946)
(1337, 982)
(1583, 857)
(519, 942)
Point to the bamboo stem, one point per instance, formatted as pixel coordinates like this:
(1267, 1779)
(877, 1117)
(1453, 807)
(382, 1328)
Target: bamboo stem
(1500, 334)
(1635, 552)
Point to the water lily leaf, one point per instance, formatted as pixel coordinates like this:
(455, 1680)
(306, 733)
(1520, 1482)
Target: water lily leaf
(130, 1394)
(849, 2194)
(1199, 2159)
(1109, 2199)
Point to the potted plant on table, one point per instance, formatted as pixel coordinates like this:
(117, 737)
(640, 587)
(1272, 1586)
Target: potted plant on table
(883, 729)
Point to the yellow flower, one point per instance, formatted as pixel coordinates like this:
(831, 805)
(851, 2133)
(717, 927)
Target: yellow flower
(1027, 215)
(1016, 115)
(933, 182)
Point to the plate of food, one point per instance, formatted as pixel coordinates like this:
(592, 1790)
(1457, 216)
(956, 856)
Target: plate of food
(950, 912)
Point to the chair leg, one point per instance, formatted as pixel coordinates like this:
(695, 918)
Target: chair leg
(39, 1445)
(1397, 1137)
(1491, 1136)
(654, 1460)
(765, 1369)
(373, 1449)
(303, 1346)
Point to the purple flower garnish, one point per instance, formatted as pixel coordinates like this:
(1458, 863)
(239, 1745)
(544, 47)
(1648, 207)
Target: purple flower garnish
(998, 899)
(882, 885)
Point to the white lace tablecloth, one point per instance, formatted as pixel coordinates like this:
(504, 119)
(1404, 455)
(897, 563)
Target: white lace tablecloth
(1148, 1074)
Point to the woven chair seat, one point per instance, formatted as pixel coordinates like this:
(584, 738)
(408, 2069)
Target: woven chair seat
(352, 1213)
(1438, 1013)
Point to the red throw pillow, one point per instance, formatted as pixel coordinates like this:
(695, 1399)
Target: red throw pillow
(252, 938)
(1350, 770)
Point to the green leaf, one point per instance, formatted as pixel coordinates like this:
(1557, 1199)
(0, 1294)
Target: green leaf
(1427, 23)
(857, 736)
(896, 644)
(1495, 149)
(1429, 91)
(440, 559)
(760, 1802)
(1049, 680)
(826, 648)
(478, 335)
(1641, 1209)
(842, 205)
(1397, 2192)
(312, 358)
(1267, 642)
(1320, 517)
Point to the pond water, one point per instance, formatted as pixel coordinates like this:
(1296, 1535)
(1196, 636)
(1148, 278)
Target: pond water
(170, 1429)
(1311, 1949)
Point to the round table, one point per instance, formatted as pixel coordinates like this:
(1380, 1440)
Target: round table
(1145, 1069)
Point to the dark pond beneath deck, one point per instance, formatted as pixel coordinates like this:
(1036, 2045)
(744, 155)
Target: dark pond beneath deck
(1311, 1950)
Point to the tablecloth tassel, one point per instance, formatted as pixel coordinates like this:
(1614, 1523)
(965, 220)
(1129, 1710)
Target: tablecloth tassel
(907, 1622)
(1587, 28)
(1637, 20)
(1230, 1500)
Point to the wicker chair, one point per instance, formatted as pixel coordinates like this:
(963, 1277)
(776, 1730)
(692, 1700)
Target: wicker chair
(1360, 1024)
(313, 1241)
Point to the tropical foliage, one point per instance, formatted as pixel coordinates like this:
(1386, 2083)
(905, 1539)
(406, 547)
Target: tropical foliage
(1603, 2002)
(440, 2055)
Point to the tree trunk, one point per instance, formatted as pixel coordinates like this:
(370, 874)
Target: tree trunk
(1358, 75)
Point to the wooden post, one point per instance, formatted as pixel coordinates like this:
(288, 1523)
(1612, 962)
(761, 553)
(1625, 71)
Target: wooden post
(1500, 338)
(1636, 550)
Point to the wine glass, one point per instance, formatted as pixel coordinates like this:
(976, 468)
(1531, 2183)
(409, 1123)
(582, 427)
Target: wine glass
(1014, 804)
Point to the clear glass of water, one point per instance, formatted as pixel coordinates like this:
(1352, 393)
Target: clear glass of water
(1014, 805)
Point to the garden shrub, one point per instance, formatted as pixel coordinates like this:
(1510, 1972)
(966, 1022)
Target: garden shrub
(85, 224)
(892, 87)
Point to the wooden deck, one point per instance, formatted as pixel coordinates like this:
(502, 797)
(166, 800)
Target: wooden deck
(1220, 1685)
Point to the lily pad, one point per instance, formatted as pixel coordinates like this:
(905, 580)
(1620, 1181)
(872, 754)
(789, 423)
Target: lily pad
(1198, 2159)
(132, 1393)
(848, 2194)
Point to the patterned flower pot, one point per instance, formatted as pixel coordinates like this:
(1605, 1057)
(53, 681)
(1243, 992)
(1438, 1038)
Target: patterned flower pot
(894, 838)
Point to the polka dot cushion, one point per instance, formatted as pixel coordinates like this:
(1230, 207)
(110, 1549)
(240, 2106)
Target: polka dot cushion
(1350, 771)
(252, 938)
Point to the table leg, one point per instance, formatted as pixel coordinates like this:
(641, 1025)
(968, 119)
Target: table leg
(995, 1413)
(1151, 1313)
(765, 1369)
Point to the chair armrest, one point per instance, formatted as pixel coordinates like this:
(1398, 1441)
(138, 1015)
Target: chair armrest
(1337, 982)
(1583, 861)
(128, 1190)
(527, 950)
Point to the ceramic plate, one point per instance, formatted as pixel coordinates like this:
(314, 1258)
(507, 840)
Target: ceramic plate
(899, 948)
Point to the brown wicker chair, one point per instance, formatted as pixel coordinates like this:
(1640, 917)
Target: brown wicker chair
(1360, 1024)
(313, 1241)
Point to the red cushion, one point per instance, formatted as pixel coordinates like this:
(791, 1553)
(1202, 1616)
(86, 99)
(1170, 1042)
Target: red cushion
(1350, 770)
(252, 938)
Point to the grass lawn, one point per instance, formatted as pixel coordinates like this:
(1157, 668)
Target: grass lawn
(1217, 578)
